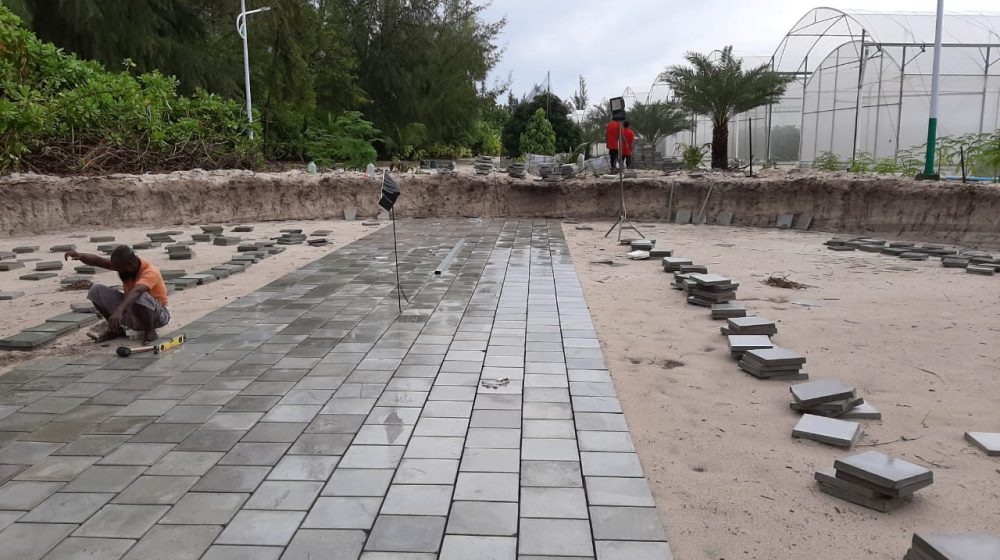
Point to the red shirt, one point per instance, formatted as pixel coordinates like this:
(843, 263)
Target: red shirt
(628, 136)
(612, 135)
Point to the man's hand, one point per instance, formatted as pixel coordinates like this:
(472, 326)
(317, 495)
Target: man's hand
(115, 321)
(71, 255)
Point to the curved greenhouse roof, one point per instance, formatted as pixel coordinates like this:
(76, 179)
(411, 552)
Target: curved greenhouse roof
(823, 30)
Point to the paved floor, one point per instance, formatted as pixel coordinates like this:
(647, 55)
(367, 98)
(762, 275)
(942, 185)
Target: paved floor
(311, 419)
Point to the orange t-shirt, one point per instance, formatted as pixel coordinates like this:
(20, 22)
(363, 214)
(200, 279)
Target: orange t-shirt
(150, 277)
(611, 137)
(628, 138)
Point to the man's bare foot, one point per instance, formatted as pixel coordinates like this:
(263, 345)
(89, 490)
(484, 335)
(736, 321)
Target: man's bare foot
(109, 335)
(149, 336)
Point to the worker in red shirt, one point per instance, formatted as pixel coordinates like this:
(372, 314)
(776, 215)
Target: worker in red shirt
(612, 142)
(628, 144)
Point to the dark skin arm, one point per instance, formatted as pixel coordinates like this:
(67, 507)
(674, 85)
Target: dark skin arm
(88, 259)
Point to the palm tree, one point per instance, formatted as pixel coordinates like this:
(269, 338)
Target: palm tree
(720, 88)
(655, 121)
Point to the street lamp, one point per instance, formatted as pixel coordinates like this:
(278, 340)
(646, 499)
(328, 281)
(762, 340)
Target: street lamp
(241, 28)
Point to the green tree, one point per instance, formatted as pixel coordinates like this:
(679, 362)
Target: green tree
(581, 98)
(595, 123)
(655, 121)
(719, 87)
(538, 137)
(567, 131)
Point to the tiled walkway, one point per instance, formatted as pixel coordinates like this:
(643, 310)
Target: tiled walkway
(311, 420)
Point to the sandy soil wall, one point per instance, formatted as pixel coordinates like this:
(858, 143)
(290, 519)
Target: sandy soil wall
(894, 207)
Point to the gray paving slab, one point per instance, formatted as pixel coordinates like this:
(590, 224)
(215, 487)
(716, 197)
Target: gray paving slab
(31, 541)
(121, 521)
(263, 528)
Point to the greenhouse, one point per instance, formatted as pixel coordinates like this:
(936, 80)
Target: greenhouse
(862, 90)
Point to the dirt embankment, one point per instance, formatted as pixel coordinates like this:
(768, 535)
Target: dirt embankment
(838, 202)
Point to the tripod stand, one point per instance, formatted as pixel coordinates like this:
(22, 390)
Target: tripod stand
(622, 222)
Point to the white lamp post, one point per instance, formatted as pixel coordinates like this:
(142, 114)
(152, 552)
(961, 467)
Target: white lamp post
(241, 28)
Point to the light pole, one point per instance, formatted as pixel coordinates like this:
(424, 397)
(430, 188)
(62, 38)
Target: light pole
(935, 90)
(241, 28)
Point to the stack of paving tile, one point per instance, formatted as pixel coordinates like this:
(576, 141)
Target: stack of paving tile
(955, 262)
(212, 230)
(742, 343)
(660, 253)
(567, 171)
(750, 325)
(225, 241)
(10, 265)
(831, 431)
(642, 244)
(955, 546)
(774, 363)
(516, 170)
(317, 242)
(546, 170)
(982, 269)
(202, 237)
(728, 310)
(289, 238)
(25, 249)
(143, 245)
(682, 281)
(160, 237)
(102, 238)
(709, 289)
(988, 442)
(694, 269)
(483, 165)
(243, 229)
(62, 248)
(179, 252)
(824, 397)
(876, 481)
(674, 264)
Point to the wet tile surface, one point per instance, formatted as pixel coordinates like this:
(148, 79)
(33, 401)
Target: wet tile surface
(313, 417)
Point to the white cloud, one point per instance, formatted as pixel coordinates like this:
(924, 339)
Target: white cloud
(627, 43)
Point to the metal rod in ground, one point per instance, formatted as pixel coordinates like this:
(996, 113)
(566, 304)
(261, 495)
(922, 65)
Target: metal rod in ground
(395, 254)
(670, 204)
(701, 215)
(961, 153)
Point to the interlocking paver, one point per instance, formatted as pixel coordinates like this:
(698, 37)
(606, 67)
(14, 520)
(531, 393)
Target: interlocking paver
(31, 541)
(301, 416)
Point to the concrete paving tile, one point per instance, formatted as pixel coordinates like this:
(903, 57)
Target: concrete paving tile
(264, 528)
(447, 409)
(363, 482)
(348, 405)
(371, 457)
(611, 491)
(427, 471)
(406, 533)
(343, 513)
(551, 474)
(329, 544)
(434, 448)
(304, 467)
(625, 550)
(322, 444)
(222, 478)
(210, 440)
(75, 548)
(137, 454)
(104, 479)
(31, 541)
(58, 432)
(185, 463)
(224, 552)
(601, 421)
(163, 433)
(555, 537)
(547, 411)
(291, 413)
(336, 423)
(255, 454)
(249, 403)
(493, 438)
(496, 419)
(553, 503)
(383, 434)
(7, 518)
(549, 429)
(182, 414)
(611, 464)
(306, 397)
(463, 547)
(27, 452)
(232, 421)
(177, 542)
(493, 487)
(65, 507)
(596, 404)
(285, 495)
(204, 508)
(275, 432)
(549, 450)
(417, 499)
(626, 524)
(147, 407)
(53, 405)
(121, 521)
(393, 415)
(550, 381)
(483, 518)
(491, 460)
(156, 490)
(56, 468)
(499, 402)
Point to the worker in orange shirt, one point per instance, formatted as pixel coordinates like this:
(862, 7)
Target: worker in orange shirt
(141, 306)
(611, 140)
(628, 144)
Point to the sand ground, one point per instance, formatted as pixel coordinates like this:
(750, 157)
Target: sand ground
(44, 299)
(918, 341)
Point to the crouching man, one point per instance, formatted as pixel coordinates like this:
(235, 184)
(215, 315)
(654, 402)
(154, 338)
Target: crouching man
(143, 305)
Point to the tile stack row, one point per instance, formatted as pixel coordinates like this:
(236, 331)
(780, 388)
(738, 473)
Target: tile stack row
(828, 405)
(517, 170)
(707, 290)
(874, 480)
(483, 165)
(954, 546)
(973, 261)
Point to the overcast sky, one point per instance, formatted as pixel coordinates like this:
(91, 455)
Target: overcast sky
(627, 43)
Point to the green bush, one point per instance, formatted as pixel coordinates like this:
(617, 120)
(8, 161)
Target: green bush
(827, 161)
(346, 140)
(59, 114)
(693, 156)
(538, 137)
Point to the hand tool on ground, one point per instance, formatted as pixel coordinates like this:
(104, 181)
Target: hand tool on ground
(125, 351)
